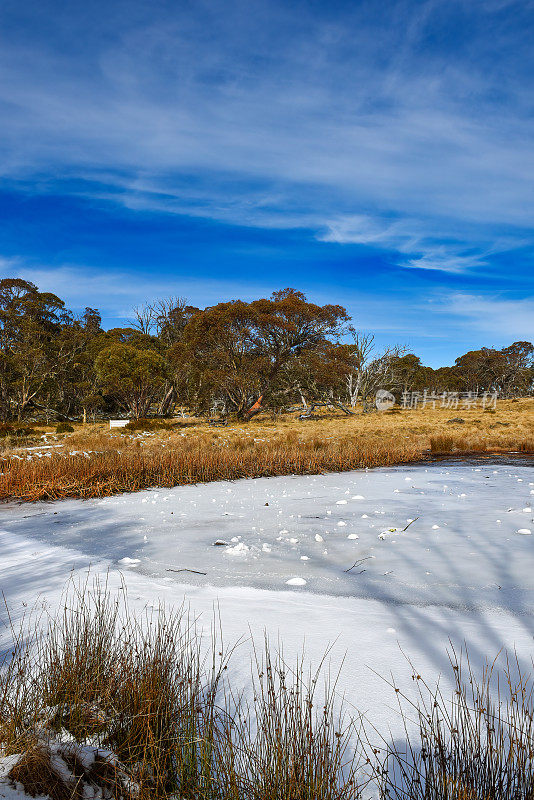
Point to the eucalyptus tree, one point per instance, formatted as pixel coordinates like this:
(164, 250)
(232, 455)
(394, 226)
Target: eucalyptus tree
(132, 376)
(241, 353)
(30, 324)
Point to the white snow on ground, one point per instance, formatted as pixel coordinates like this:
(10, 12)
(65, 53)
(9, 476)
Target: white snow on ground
(58, 754)
(460, 571)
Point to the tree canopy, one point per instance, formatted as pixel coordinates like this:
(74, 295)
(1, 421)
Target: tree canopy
(233, 358)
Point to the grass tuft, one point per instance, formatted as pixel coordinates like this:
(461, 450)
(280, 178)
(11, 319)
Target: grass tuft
(478, 744)
(139, 707)
(96, 462)
(105, 703)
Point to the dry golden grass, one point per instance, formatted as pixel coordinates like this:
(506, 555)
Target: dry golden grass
(189, 451)
(171, 723)
(175, 723)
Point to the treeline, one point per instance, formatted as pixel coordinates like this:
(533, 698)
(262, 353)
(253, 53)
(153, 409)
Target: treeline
(232, 358)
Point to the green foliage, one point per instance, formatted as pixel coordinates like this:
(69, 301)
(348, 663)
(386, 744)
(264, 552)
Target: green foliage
(64, 427)
(131, 375)
(233, 358)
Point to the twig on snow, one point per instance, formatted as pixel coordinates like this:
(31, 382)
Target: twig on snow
(357, 564)
(184, 569)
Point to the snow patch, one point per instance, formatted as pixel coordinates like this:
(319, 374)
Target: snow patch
(240, 550)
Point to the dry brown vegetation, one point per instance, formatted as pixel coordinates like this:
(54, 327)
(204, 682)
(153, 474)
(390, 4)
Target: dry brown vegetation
(94, 461)
(136, 705)
(105, 703)
(478, 746)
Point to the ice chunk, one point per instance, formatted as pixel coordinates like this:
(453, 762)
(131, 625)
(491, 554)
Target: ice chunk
(296, 582)
(387, 532)
(239, 549)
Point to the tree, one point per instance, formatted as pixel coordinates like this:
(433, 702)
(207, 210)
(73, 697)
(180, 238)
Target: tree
(379, 373)
(354, 358)
(479, 369)
(519, 375)
(218, 351)
(132, 376)
(243, 351)
(288, 326)
(364, 371)
(316, 377)
(171, 318)
(30, 322)
(236, 356)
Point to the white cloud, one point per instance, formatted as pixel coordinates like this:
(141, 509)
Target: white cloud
(500, 317)
(117, 293)
(420, 243)
(264, 114)
(8, 264)
(426, 326)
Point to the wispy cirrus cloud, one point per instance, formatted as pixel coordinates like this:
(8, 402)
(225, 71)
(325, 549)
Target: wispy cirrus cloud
(116, 295)
(398, 133)
(500, 317)
(423, 325)
(425, 243)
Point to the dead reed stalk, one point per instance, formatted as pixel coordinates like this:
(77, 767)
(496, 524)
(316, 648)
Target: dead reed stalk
(476, 745)
(114, 471)
(147, 693)
(136, 708)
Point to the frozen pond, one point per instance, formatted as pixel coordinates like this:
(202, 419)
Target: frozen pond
(461, 545)
(461, 572)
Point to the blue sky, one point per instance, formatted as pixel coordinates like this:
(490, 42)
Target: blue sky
(378, 155)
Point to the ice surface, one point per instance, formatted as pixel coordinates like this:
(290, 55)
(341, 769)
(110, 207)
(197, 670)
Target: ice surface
(463, 549)
(458, 572)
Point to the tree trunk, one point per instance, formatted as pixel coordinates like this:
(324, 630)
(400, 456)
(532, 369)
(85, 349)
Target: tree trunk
(255, 409)
(167, 402)
(49, 411)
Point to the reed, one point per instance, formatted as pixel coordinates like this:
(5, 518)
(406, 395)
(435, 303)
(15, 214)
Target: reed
(95, 462)
(138, 706)
(102, 702)
(476, 745)
(131, 469)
